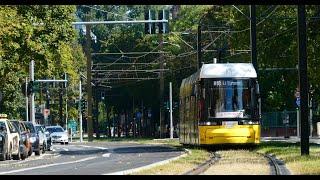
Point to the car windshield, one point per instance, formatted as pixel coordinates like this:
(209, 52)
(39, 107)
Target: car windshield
(30, 127)
(38, 128)
(2, 124)
(55, 129)
(16, 125)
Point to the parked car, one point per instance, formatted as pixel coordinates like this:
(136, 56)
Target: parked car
(34, 138)
(3, 142)
(42, 137)
(49, 141)
(13, 138)
(24, 144)
(58, 134)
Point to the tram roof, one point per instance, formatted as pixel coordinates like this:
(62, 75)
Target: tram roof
(228, 70)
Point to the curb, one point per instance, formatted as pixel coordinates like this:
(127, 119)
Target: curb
(129, 171)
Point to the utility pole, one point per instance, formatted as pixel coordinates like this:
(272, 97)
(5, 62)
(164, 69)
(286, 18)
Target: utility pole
(162, 128)
(89, 86)
(65, 78)
(27, 100)
(47, 103)
(253, 36)
(32, 108)
(60, 104)
(133, 118)
(80, 113)
(199, 47)
(303, 80)
(171, 120)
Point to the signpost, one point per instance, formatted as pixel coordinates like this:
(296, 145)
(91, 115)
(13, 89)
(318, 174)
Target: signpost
(297, 95)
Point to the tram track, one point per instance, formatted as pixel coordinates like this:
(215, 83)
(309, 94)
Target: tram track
(277, 166)
(204, 166)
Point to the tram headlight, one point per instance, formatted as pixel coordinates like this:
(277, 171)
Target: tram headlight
(249, 122)
(208, 123)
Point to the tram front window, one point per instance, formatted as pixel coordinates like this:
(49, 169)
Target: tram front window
(229, 98)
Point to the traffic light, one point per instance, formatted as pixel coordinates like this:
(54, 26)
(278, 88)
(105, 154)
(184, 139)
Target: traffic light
(163, 26)
(149, 28)
(83, 105)
(30, 88)
(24, 89)
(166, 105)
(33, 87)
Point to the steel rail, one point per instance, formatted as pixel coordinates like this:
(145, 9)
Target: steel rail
(204, 166)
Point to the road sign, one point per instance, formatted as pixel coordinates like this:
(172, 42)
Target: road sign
(46, 113)
(298, 101)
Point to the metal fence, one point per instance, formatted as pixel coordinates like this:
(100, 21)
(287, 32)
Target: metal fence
(277, 119)
(281, 123)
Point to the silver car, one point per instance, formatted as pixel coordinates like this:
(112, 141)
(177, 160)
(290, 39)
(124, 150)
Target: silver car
(58, 134)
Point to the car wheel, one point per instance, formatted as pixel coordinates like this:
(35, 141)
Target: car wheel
(44, 147)
(50, 148)
(24, 155)
(9, 154)
(3, 156)
(16, 157)
(30, 151)
(38, 153)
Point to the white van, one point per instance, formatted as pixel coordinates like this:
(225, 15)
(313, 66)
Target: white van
(13, 150)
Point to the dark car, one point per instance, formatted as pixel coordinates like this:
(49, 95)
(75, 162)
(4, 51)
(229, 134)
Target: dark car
(34, 138)
(25, 144)
(3, 142)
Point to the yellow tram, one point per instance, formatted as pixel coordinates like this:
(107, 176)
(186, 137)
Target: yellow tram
(220, 104)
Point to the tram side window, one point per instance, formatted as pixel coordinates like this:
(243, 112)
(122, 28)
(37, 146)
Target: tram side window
(187, 105)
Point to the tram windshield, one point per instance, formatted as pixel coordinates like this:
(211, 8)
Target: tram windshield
(230, 98)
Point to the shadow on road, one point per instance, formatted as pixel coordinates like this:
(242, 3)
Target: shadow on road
(83, 152)
(144, 149)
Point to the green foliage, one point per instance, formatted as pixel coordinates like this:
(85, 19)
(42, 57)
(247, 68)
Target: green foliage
(41, 33)
(54, 47)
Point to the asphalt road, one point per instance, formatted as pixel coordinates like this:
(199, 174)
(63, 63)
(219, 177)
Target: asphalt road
(89, 159)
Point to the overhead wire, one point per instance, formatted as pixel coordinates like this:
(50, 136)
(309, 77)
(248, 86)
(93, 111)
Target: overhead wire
(107, 12)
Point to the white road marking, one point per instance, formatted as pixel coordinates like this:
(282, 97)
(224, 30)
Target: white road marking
(85, 146)
(56, 156)
(65, 149)
(106, 155)
(45, 166)
(103, 148)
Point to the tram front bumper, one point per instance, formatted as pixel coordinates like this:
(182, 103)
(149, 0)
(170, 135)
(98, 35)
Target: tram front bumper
(235, 135)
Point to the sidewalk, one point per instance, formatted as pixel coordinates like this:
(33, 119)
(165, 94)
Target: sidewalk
(292, 139)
